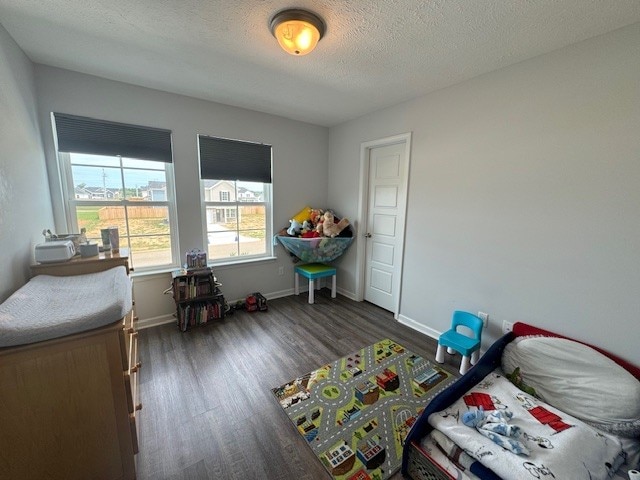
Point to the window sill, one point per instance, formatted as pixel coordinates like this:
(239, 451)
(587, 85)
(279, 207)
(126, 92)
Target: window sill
(240, 263)
(223, 265)
(152, 272)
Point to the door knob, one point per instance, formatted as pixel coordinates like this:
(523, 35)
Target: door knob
(367, 235)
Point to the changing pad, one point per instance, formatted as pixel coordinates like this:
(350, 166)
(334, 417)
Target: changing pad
(50, 307)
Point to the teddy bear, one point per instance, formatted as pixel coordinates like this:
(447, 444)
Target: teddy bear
(330, 228)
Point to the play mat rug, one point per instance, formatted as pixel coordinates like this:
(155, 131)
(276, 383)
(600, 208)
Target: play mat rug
(356, 412)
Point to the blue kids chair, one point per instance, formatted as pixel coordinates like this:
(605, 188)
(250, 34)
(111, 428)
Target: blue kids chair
(457, 342)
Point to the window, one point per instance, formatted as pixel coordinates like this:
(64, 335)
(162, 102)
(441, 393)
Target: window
(231, 213)
(104, 189)
(236, 193)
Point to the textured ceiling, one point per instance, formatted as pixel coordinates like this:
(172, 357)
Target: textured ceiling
(374, 53)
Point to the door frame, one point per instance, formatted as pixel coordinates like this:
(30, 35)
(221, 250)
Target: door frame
(363, 211)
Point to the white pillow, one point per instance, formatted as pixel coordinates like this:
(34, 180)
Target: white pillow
(579, 381)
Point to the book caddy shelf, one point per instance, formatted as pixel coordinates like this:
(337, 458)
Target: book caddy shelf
(198, 297)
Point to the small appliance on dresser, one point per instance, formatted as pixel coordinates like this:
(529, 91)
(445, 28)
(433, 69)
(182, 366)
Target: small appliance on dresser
(55, 251)
(79, 265)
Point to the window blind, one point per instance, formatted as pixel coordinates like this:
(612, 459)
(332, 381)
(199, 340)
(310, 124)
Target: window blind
(224, 159)
(100, 137)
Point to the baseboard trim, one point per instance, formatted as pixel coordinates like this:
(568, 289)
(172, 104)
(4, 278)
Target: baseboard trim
(345, 293)
(279, 294)
(155, 321)
(170, 318)
(410, 322)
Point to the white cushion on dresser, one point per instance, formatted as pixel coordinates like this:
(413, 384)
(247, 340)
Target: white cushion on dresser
(50, 307)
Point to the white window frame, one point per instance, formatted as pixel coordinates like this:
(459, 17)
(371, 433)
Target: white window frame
(70, 204)
(267, 203)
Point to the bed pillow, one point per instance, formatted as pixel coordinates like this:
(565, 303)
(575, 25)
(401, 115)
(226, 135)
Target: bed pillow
(578, 380)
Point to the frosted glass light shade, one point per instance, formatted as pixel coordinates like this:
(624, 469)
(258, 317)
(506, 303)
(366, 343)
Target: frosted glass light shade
(297, 31)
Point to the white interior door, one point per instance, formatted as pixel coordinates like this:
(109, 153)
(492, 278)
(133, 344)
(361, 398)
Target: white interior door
(384, 230)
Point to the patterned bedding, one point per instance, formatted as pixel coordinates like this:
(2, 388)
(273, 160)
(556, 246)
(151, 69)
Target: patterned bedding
(458, 464)
(426, 456)
(559, 445)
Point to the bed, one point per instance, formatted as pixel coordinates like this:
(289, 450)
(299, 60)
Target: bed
(536, 405)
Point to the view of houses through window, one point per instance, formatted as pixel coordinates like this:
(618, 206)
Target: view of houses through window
(131, 194)
(236, 218)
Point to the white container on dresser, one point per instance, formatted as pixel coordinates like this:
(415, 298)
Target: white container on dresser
(68, 405)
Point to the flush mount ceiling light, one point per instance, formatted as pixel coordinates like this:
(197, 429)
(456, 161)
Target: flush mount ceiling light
(297, 31)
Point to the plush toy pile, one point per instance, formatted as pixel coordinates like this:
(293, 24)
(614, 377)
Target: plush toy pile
(316, 236)
(316, 223)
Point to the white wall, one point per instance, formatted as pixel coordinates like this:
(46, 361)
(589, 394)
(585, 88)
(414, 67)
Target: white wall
(523, 194)
(24, 191)
(299, 166)
(522, 197)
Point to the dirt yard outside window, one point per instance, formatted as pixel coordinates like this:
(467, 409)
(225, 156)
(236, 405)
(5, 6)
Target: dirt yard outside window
(150, 236)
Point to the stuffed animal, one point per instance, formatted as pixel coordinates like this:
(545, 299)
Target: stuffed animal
(515, 377)
(315, 216)
(306, 226)
(302, 215)
(496, 427)
(294, 228)
(330, 228)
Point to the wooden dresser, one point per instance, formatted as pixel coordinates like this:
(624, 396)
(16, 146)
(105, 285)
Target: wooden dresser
(68, 405)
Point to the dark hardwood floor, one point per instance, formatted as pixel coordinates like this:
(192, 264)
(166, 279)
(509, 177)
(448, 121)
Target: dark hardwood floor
(208, 411)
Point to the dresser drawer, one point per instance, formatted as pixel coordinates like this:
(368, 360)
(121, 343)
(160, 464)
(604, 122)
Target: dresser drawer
(132, 351)
(64, 413)
(134, 406)
(134, 432)
(131, 374)
(128, 331)
(131, 365)
(131, 386)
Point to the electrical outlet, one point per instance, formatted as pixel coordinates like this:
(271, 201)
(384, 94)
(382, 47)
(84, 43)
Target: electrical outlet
(507, 326)
(484, 317)
(280, 270)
